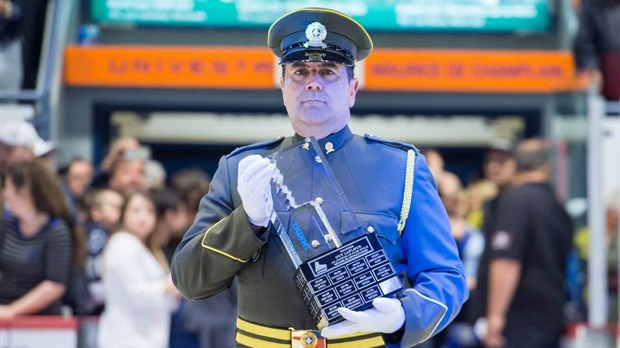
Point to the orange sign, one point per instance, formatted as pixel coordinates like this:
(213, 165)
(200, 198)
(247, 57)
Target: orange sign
(385, 70)
(169, 67)
(469, 70)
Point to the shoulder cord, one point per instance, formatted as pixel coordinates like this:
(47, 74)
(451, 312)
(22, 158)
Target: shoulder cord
(404, 212)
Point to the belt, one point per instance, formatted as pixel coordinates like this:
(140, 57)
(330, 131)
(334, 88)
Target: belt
(259, 336)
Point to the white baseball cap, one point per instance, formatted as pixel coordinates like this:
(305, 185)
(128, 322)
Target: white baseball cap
(42, 147)
(20, 133)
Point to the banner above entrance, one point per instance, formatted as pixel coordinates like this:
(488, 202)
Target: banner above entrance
(489, 71)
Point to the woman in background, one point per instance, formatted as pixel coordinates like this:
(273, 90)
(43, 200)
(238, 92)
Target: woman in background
(38, 242)
(139, 293)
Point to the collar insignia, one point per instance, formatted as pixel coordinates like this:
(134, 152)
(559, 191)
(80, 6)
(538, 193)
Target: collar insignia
(329, 147)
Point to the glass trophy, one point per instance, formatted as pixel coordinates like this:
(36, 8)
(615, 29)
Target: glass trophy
(338, 263)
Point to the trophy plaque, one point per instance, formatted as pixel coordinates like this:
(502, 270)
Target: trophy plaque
(338, 263)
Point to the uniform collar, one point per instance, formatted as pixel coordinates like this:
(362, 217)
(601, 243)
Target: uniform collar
(333, 142)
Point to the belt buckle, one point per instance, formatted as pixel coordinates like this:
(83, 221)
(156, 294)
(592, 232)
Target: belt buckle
(307, 339)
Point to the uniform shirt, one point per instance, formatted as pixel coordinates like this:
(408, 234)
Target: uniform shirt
(27, 261)
(533, 228)
(221, 245)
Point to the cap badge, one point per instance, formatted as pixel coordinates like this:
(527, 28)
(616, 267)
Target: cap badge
(315, 33)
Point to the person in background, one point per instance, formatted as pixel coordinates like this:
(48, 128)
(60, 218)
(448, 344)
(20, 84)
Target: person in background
(612, 229)
(470, 243)
(172, 222)
(597, 45)
(154, 175)
(127, 174)
(612, 219)
(104, 212)
(171, 218)
(498, 164)
(478, 193)
(122, 168)
(232, 237)
(39, 243)
(11, 66)
(17, 140)
(528, 253)
(447, 182)
(191, 185)
(500, 171)
(139, 294)
(79, 175)
(211, 320)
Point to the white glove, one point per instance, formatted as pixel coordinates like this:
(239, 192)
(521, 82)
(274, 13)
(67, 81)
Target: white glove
(386, 316)
(255, 172)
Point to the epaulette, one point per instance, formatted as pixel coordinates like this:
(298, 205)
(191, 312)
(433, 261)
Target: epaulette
(397, 144)
(258, 145)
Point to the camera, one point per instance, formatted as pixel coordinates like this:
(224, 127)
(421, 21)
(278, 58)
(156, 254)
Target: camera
(141, 153)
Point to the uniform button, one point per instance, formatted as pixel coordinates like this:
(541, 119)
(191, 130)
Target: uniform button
(317, 159)
(316, 243)
(370, 229)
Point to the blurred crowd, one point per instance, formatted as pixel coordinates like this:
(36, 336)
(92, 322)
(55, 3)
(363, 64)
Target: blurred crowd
(509, 221)
(96, 240)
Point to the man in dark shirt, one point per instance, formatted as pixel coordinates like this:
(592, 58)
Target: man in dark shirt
(527, 252)
(597, 44)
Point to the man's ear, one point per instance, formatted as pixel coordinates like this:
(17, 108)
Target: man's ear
(354, 85)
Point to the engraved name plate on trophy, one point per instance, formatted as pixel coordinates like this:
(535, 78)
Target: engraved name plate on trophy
(338, 263)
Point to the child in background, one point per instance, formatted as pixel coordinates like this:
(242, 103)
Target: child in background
(104, 212)
(139, 293)
(172, 219)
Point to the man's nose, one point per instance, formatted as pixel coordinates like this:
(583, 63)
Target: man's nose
(314, 83)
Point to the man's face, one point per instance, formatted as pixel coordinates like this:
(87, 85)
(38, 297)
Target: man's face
(500, 167)
(318, 97)
(127, 176)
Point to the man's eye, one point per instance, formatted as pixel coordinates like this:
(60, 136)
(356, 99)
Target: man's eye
(327, 72)
(299, 72)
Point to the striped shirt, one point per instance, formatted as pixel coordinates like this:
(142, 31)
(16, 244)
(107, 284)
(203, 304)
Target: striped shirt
(27, 261)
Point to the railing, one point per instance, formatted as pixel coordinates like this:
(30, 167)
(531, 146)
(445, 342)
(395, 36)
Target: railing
(40, 97)
(598, 302)
(39, 331)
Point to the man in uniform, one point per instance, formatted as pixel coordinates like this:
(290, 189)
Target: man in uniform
(388, 185)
